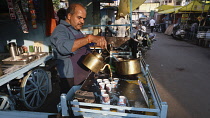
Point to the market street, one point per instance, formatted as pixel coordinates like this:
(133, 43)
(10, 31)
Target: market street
(181, 73)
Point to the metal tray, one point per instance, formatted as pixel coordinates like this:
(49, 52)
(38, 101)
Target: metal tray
(19, 60)
(38, 55)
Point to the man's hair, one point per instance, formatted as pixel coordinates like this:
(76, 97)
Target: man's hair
(61, 13)
(109, 22)
(71, 8)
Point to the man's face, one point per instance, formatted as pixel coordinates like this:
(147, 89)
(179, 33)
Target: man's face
(77, 19)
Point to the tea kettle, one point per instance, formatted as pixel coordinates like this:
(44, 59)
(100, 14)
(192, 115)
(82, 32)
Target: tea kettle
(95, 62)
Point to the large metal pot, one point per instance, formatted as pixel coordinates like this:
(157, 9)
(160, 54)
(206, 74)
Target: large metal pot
(94, 61)
(128, 66)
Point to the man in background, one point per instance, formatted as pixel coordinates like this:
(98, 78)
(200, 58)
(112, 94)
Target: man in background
(109, 31)
(121, 29)
(152, 24)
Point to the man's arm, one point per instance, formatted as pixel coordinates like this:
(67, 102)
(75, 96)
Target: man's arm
(112, 30)
(60, 40)
(99, 40)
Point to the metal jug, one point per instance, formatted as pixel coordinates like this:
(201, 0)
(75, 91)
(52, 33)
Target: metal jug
(94, 61)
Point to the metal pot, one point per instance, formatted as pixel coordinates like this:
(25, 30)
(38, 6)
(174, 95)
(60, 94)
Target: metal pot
(128, 67)
(94, 61)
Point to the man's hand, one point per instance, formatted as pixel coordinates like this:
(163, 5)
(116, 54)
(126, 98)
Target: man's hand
(99, 40)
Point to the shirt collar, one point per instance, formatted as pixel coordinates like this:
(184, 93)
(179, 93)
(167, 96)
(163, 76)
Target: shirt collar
(64, 23)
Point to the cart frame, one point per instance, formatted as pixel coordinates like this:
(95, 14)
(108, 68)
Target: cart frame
(159, 110)
(26, 74)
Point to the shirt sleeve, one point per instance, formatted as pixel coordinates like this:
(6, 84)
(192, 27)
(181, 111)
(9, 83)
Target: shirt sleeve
(127, 22)
(63, 41)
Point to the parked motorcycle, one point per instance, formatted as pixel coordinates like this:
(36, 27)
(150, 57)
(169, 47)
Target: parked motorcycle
(178, 32)
(157, 28)
(144, 41)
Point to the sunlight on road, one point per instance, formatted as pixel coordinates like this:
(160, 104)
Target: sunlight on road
(165, 95)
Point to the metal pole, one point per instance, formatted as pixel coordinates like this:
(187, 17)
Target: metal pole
(174, 12)
(131, 18)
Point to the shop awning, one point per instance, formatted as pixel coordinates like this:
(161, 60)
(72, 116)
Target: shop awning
(124, 6)
(194, 6)
(170, 10)
(166, 7)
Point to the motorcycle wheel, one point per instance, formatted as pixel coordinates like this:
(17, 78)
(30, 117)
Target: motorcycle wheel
(159, 29)
(173, 34)
(143, 51)
(182, 36)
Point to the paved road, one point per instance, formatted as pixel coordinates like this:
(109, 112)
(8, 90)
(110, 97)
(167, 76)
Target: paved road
(181, 72)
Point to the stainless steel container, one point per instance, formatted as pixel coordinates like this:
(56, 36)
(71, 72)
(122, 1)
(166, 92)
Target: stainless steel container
(13, 49)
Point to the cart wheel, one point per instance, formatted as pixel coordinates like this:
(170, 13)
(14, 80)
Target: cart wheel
(34, 88)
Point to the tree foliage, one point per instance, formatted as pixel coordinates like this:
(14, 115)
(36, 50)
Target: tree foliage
(56, 4)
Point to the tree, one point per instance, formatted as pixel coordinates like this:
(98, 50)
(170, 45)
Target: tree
(56, 4)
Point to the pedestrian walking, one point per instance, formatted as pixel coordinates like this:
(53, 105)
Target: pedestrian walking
(152, 24)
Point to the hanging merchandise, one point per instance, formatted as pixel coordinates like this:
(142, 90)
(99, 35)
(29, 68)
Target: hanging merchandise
(33, 14)
(36, 5)
(199, 18)
(11, 9)
(184, 17)
(24, 5)
(21, 18)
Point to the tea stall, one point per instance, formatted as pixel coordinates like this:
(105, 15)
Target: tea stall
(118, 86)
